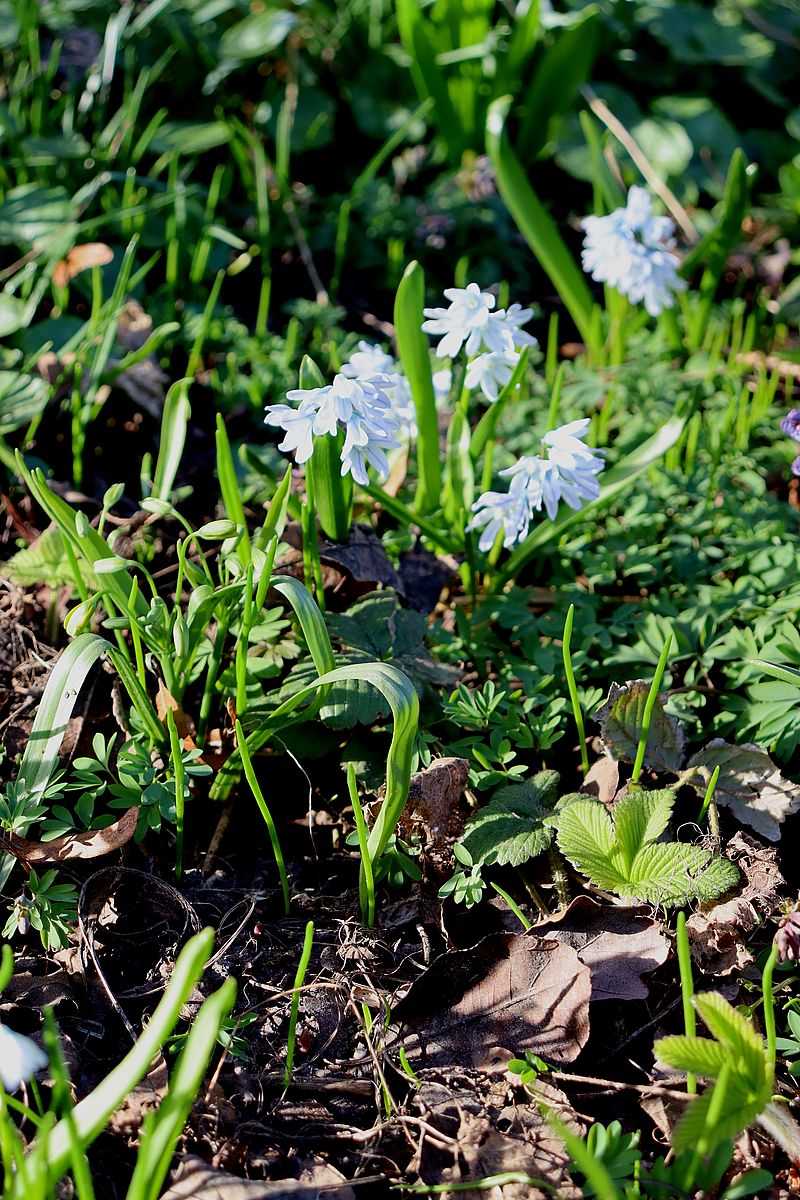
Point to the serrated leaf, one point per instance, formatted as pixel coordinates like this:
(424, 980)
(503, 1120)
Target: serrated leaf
(585, 836)
(749, 784)
(736, 1034)
(512, 826)
(620, 720)
(739, 1110)
(701, 1056)
(664, 873)
(639, 819)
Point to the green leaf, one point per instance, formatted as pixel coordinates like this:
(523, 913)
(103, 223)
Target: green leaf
(13, 315)
(618, 854)
(559, 74)
(639, 819)
(700, 1056)
(535, 223)
(44, 561)
(416, 32)
(737, 1035)
(34, 218)
(621, 719)
(22, 398)
(739, 1111)
(257, 35)
(415, 357)
(511, 827)
(174, 423)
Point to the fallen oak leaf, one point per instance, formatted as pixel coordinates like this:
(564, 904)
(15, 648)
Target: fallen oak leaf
(92, 844)
(618, 945)
(716, 935)
(749, 784)
(517, 991)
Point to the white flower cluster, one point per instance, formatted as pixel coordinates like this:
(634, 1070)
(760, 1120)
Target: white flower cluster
(490, 339)
(361, 407)
(631, 250)
(20, 1058)
(568, 471)
(370, 360)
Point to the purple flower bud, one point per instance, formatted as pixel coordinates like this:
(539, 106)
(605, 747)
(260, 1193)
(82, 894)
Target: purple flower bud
(787, 939)
(791, 424)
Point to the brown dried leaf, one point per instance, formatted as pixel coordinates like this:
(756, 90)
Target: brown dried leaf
(194, 1179)
(515, 991)
(749, 784)
(92, 844)
(183, 722)
(434, 799)
(602, 779)
(80, 258)
(362, 558)
(468, 1109)
(619, 945)
(716, 937)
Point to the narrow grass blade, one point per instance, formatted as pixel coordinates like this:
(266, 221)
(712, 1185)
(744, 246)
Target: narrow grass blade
(91, 1115)
(535, 223)
(229, 486)
(414, 351)
(163, 1127)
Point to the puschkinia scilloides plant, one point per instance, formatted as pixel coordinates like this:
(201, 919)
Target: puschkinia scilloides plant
(378, 411)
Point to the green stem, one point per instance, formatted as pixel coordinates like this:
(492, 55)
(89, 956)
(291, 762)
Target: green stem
(769, 1005)
(178, 768)
(687, 990)
(255, 788)
(298, 983)
(648, 709)
(573, 690)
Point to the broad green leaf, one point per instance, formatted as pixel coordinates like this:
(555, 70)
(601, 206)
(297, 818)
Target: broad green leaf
(174, 424)
(257, 35)
(560, 72)
(664, 873)
(415, 358)
(13, 315)
(430, 80)
(535, 223)
(35, 218)
(640, 818)
(621, 719)
(739, 1110)
(55, 708)
(44, 561)
(512, 826)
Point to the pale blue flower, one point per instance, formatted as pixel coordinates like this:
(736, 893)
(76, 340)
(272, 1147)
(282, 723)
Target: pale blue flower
(568, 470)
(370, 360)
(464, 321)
(361, 407)
(20, 1058)
(491, 372)
(631, 250)
(507, 511)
